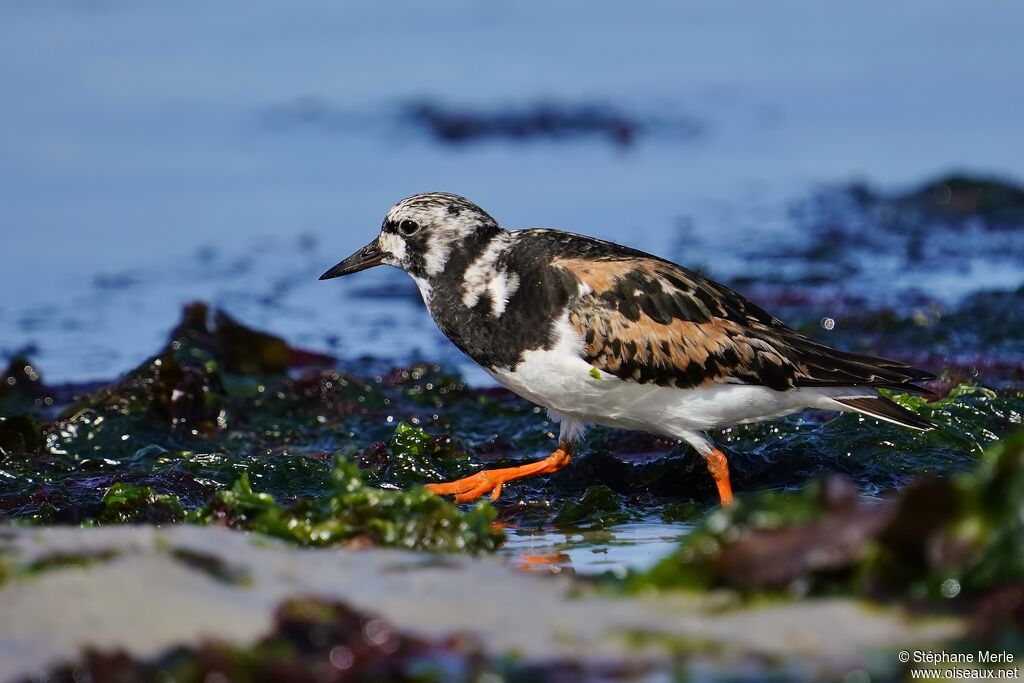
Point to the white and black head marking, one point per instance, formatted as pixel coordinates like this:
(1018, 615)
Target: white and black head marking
(480, 283)
(421, 233)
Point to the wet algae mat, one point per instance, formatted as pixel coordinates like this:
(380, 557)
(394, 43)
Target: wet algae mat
(220, 428)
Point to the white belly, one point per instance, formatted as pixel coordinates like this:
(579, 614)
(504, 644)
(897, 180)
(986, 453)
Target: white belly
(562, 381)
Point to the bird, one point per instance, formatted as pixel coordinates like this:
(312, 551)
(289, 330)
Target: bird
(600, 333)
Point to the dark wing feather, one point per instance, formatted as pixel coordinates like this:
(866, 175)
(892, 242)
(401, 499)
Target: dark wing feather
(651, 321)
(884, 409)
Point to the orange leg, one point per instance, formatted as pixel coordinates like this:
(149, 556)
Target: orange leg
(718, 466)
(490, 481)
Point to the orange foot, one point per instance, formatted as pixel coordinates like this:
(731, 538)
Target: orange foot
(490, 481)
(718, 466)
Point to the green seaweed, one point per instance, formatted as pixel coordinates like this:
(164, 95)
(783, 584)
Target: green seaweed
(414, 456)
(201, 418)
(350, 511)
(990, 521)
(127, 504)
(937, 539)
(598, 507)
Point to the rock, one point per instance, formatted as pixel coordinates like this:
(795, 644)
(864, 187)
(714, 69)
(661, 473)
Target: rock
(143, 590)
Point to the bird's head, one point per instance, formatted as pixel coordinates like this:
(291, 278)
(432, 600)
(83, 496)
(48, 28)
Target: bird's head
(421, 234)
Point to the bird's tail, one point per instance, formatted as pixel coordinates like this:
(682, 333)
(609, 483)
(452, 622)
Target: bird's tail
(882, 408)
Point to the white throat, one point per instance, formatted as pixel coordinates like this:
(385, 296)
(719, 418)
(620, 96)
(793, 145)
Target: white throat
(425, 289)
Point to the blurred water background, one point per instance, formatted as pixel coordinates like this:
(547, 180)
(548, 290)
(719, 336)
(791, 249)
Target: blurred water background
(158, 153)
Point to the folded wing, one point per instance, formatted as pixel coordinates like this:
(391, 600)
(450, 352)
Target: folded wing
(650, 321)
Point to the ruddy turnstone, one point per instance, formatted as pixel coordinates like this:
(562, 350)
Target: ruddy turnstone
(601, 333)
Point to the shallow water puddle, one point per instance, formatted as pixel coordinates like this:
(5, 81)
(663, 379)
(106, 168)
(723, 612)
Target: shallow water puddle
(633, 546)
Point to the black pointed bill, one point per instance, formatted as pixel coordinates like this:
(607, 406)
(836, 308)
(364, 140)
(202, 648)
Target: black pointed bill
(367, 257)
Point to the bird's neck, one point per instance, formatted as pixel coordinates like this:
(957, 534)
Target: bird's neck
(460, 258)
(497, 298)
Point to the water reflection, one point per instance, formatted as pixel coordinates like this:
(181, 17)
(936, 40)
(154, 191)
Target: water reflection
(588, 552)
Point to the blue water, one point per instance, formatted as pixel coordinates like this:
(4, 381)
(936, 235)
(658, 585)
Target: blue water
(145, 161)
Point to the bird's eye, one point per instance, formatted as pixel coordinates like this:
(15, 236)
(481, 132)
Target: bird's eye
(408, 227)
